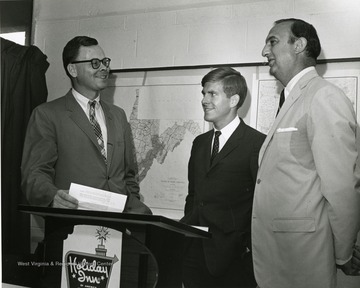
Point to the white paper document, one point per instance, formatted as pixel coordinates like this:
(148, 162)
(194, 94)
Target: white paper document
(96, 199)
(204, 228)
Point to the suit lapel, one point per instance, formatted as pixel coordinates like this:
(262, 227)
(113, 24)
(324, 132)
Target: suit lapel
(231, 143)
(294, 95)
(110, 131)
(205, 148)
(78, 116)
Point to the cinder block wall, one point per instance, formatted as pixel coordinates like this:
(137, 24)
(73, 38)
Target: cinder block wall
(152, 33)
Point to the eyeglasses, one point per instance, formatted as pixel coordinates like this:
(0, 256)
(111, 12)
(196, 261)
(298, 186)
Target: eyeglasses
(95, 63)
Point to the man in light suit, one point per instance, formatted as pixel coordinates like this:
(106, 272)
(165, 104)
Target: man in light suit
(221, 187)
(61, 145)
(306, 212)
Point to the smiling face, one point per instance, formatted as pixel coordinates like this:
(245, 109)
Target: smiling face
(87, 80)
(218, 107)
(281, 53)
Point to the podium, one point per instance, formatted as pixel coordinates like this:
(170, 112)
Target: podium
(162, 236)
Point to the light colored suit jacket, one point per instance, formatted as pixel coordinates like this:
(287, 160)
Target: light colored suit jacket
(61, 148)
(306, 209)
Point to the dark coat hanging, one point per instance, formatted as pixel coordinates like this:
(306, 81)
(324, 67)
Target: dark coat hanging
(23, 87)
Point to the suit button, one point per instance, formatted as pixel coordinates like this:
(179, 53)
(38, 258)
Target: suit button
(108, 178)
(258, 181)
(201, 204)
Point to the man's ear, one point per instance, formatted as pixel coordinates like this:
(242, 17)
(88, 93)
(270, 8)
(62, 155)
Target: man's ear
(234, 100)
(72, 70)
(300, 45)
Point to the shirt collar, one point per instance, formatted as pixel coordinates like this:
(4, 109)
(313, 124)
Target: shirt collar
(83, 101)
(296, 79)
(229, 129)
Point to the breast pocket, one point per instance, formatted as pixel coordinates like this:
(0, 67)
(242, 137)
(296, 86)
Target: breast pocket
(286, 138)
(294, 146)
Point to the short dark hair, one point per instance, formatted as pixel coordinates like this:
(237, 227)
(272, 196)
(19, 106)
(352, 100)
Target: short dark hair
(300, 28)
(233, 82)
(71, 49)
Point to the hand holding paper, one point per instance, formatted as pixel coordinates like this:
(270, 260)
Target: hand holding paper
(62, 199)
(96, 199)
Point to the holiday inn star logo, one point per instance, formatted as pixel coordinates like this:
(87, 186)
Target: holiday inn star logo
(90, 270)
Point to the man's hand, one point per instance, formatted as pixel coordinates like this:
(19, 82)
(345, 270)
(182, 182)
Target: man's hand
(352, 267)
(62, 199)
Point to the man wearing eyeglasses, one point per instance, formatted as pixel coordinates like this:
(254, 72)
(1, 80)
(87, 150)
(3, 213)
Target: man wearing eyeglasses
(79, 138)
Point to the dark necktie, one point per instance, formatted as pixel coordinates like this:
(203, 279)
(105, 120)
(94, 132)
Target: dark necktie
(97, 128)
(281, 101)
(215, 149)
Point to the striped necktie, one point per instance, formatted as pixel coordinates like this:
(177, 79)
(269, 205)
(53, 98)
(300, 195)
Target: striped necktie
(97, 128)
(215, 149)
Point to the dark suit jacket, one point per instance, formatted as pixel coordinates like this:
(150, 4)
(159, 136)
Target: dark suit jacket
(61, 147)
(220, 195)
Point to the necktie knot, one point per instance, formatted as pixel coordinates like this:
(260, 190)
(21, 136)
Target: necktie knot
(92, 110)
(282, 98)
(216, 145)
(281, 101)
(92, 106)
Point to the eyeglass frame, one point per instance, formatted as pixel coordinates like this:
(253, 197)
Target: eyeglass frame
(92, 62)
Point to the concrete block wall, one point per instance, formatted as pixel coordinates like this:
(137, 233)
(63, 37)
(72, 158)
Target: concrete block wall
(176, 33)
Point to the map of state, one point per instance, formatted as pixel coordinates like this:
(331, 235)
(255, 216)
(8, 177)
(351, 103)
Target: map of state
(150, 144)
(164, 122)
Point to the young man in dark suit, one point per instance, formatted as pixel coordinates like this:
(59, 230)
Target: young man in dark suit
(222, 174)
(63, 146)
